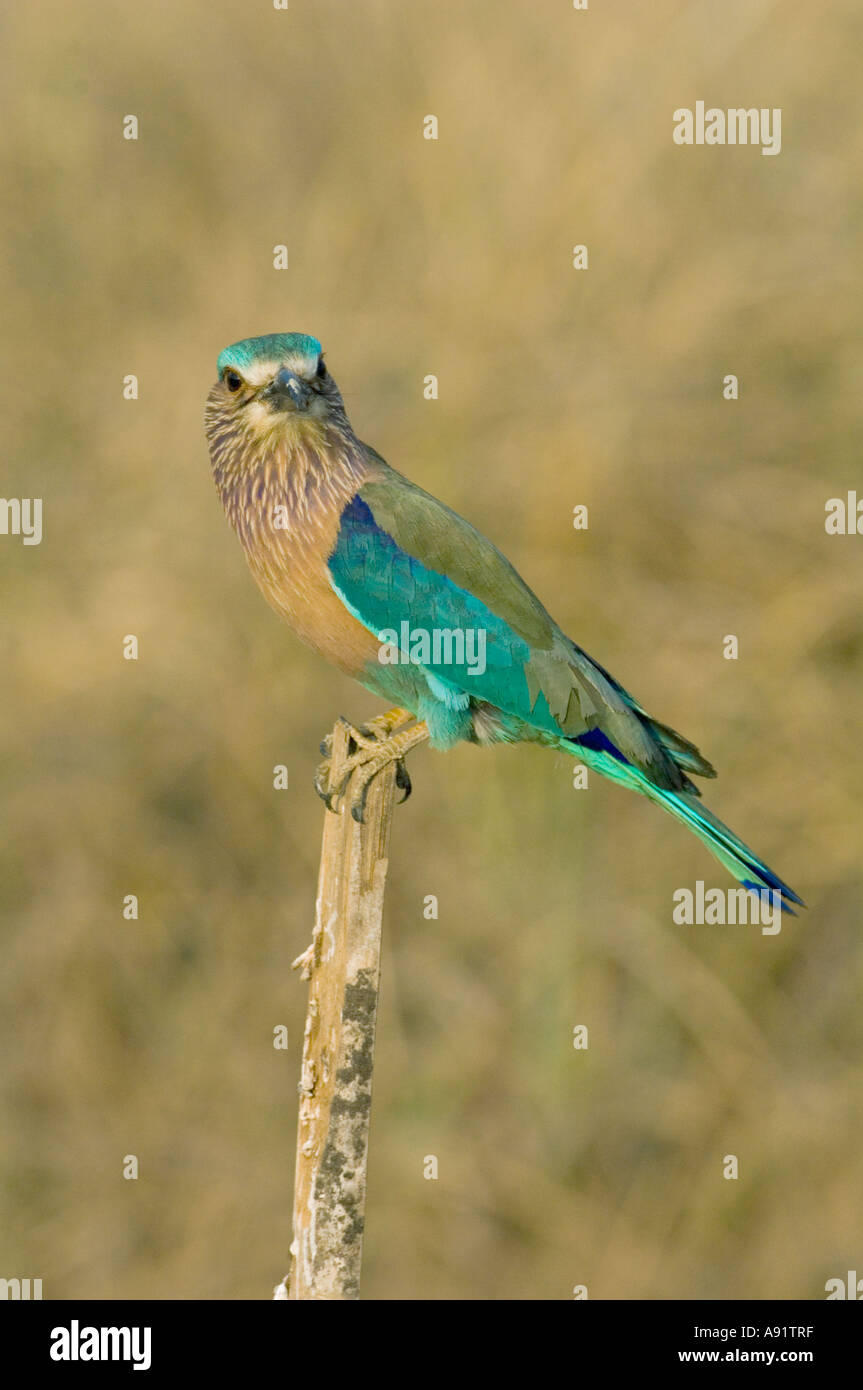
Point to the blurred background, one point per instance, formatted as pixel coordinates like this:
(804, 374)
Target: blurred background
(557, 388)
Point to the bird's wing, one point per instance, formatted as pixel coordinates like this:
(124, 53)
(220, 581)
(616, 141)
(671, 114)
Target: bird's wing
(402, 556)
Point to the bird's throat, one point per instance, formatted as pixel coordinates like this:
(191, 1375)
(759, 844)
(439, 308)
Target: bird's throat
(281, 483)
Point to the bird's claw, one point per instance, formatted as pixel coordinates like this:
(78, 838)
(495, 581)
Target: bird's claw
(371, 748)
(403, 780)
(327, 794)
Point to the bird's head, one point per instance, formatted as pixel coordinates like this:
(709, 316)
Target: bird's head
(275, 387)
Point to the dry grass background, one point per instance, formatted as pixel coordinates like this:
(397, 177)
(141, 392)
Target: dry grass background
(408, 257)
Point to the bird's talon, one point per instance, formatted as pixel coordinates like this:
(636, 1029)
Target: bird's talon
(403, 780)
(329, 795)
(369, 750)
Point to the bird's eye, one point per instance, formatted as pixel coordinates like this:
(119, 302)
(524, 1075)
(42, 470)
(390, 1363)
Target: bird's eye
(322, 367)
(233, 381)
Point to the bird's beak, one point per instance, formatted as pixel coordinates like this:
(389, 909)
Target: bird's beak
(286, 392)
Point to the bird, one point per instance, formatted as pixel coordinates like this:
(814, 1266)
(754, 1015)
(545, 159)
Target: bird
(400, 592)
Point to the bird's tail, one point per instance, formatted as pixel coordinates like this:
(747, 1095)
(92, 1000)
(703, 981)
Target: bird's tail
(741, 862)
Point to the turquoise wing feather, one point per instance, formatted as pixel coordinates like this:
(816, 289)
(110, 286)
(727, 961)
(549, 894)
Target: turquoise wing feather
(402, 555)
(385, 587)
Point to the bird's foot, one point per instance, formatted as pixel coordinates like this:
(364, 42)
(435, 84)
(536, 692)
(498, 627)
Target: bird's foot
(370, 734)
(385, 724)
(371, 748)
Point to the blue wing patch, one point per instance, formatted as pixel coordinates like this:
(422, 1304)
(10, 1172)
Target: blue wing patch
(462, 646)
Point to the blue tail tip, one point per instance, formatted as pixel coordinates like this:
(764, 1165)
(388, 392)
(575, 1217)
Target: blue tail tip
(776, 886)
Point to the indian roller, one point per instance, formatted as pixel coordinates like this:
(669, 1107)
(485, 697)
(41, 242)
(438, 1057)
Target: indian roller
(403, 594)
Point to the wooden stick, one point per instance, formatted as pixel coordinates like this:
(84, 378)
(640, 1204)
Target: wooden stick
(343, 963)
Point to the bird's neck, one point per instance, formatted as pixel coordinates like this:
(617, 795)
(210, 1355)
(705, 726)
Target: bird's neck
(292, 480)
